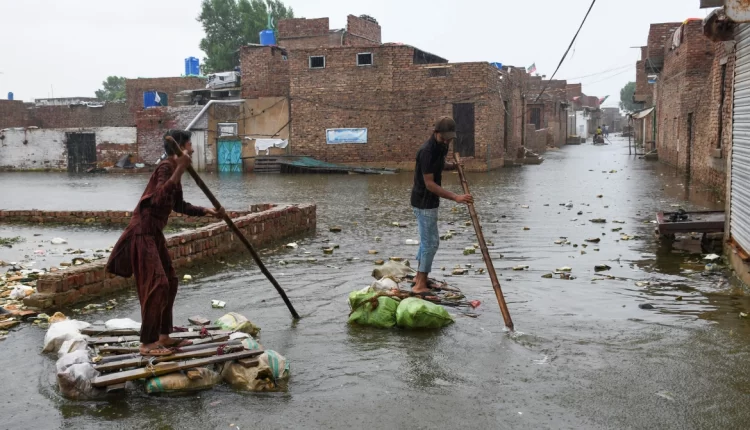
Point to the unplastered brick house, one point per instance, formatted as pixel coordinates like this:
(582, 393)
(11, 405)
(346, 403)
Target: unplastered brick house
(391, 94)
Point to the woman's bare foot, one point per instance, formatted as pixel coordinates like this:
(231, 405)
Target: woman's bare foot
(154, 350)
(420, 283)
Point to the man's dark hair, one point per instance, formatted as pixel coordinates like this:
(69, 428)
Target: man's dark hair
(180, 136)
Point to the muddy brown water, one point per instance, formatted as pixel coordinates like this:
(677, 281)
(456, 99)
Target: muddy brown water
(584, 354)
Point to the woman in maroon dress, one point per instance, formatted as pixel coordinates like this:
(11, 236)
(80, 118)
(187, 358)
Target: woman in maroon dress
(142, 250)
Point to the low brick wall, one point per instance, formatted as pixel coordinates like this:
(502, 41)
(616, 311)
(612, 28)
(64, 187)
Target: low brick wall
(108, 217)
(87, 281)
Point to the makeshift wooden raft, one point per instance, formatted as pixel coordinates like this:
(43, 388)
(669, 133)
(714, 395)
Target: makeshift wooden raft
(119, 363)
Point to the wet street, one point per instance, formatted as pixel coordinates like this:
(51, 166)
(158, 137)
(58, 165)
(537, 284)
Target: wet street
(584, 354)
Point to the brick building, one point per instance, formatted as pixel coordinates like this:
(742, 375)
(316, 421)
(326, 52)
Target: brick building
(302, 33)
(135, 89)
(549, 112)
(347, 79)
(686, 78)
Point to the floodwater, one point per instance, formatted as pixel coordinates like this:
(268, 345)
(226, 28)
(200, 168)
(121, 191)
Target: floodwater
(584, 354)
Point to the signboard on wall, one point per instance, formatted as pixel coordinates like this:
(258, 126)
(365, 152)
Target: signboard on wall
(227, 129)
(336, 136)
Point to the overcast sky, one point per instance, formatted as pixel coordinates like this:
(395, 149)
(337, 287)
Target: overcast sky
(67, 48)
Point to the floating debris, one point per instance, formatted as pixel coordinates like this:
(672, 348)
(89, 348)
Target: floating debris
(460, 271)
(412, 242)
(335, 229)
(526, 228)
(565, 269)
(547, 276)
(218, 304)
(601, 268)
(598, 220)
(372, 252)
(520, 267)
(184, 278)
(615, 230)
(594, 239)
(646, 306)
(470, 250)
(328, 251)
(291, 245)
(378, 262)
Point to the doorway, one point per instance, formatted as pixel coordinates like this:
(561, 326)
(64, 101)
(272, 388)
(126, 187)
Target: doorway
(81, 151)
(463, 114)
(230, 155)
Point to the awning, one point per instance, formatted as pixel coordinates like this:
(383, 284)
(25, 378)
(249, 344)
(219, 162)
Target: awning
(643, 113)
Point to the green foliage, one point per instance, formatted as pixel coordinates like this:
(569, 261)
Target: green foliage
(230, 24)
(112, 89)
(626, 98)
(10, 241)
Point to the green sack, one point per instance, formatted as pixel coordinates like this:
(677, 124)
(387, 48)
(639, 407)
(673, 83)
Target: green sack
(383, 316)
(417, 313)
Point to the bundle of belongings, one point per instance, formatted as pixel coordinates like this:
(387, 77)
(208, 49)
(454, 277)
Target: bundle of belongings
(100, 359)
(385, 305)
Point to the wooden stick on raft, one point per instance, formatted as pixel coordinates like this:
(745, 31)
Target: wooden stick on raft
(176, 149)
(483, 246)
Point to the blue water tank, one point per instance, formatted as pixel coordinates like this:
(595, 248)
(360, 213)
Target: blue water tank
(267, 37)
(192, 66)
(10, 95)
(498, 65)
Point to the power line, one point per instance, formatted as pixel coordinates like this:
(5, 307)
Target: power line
(567, 50)
(602, 72)
(608, 77)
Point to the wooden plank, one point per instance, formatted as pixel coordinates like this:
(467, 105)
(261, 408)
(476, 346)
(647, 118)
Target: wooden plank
(167, 368)
(183, 335)
(126, 353)
(199, 320)
(116, 388)
(249, 362)
(140, 361)
(101, 331)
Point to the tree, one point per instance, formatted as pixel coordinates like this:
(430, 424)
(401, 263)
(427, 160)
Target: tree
(230, 24)
(112, 89)
(626, 98)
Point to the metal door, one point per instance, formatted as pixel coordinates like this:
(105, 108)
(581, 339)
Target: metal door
(81, 151)
(230, 156)
(463, 114)
(199, 150)
(740, 188)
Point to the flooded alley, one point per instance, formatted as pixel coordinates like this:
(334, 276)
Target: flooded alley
(584, 354)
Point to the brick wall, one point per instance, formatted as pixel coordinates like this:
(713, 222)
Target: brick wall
(394, 99)
(46, 148)
(114, 114)
(151, 125)
(659, 38)
(108, 217)
(14, 113)
(680, 92)
(266, 71)
(87, 281)
(361, 32)
(302, 27)
(134, 89)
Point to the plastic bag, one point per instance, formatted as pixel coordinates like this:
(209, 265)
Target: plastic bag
(393, 269)
(122, 324)
(61, 331)
(363, 313)
(271, 373)
(385, 284)
(417, 313)
(236, 322)
(72, 345)
(67, 360)
(20, 291)
(179, 382)
(75, 382)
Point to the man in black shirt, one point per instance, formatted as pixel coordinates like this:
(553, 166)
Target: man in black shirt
(426, 194)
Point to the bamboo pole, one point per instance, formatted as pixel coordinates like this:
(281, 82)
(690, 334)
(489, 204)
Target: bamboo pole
(483, 247)
(176, 149)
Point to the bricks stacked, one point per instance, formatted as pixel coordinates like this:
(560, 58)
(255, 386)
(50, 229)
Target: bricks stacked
(87, 281)
(267, 72)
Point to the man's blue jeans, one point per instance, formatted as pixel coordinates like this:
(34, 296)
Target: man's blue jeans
(429, 238)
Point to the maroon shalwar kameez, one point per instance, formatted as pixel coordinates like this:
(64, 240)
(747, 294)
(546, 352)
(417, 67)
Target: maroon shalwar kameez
(142, 251)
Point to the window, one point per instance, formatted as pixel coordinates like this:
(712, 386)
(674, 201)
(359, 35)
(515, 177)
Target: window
(364, 59)
(317, 62)
(438, 72)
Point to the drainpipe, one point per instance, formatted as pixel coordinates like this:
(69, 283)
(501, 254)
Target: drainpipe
(205, 108)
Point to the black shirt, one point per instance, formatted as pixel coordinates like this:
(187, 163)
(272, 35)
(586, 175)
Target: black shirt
(430, 159)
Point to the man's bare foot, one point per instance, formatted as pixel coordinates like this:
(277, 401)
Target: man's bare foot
(420, 284)
(154, 350)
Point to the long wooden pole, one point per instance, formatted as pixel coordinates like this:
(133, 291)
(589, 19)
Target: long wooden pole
(176, 149)
(483, 247)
